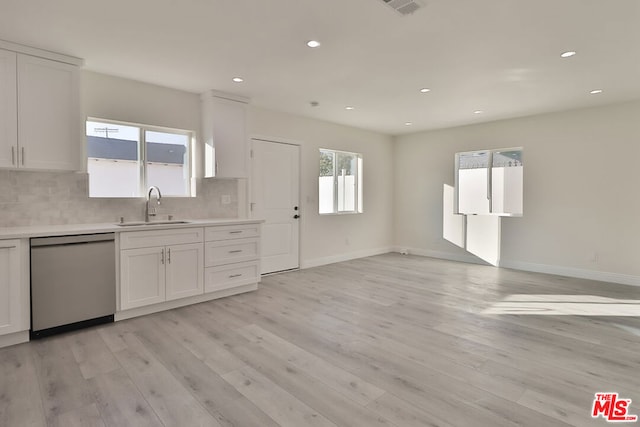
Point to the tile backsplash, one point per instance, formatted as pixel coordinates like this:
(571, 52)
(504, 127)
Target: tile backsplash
(48, 198)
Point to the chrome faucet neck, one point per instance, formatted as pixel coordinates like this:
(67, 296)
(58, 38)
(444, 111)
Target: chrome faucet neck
(149, 212)
(153, 187)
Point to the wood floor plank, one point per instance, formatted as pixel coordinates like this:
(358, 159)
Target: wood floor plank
(342, 381)
(92, 354)
(20, 401)
(213, 353)
(280, 405)
(405, 414)
(87, 416)
(173, 404)
(62, 387)
(216, 395)
(120, 403)
(338, 408)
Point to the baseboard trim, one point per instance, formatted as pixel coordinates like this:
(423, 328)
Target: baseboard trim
(558, 270)
(440, 255)
(579, 273)
(182, 302)
(14, 338)
(317, 262)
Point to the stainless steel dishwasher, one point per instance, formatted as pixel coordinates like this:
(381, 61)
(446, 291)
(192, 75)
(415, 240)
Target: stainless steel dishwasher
(73, 282)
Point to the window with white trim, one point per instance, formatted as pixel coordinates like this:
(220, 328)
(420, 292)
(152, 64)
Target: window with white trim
(125, 159)
(340, 182)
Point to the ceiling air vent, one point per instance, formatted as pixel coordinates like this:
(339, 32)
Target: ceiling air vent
(404, 7)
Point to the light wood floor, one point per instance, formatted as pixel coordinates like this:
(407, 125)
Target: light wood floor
(389, 340)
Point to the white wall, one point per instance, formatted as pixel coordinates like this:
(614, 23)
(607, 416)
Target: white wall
(330, 238)
(581, 191)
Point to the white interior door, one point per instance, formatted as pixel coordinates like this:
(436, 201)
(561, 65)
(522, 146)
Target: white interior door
(275, 175)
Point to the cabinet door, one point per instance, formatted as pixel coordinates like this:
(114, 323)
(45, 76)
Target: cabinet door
(48, 114)
(12, 310)
(8, 109)
(142, 280)
(185, 276)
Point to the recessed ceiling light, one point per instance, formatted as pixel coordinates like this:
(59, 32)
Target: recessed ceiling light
(595, 91)
(568, 54)
(425, 90)
(348, 107)
(478, 112)
(238, 79)
(313, 43)
(408, 123)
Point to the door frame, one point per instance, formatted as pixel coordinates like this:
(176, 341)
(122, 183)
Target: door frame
(301, 221)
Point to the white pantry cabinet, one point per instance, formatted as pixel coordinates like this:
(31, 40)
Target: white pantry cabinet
(40, 125)
(224, 121)
(159, 266)
(14, 286)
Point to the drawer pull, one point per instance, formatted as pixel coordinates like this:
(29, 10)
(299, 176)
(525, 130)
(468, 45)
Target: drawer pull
(234, 276)
(237, 251)
(8, 247)
(235, 232)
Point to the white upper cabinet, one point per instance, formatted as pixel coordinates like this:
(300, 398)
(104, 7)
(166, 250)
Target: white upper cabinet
(224, 121)
(48, 114)
(8, 109)
(40, 126)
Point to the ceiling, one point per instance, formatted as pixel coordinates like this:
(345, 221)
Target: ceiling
(501, 57)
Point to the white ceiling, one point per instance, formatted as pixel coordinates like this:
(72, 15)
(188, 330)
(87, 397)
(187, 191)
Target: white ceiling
(498, 56)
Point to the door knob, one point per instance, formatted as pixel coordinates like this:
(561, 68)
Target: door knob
(296, 216)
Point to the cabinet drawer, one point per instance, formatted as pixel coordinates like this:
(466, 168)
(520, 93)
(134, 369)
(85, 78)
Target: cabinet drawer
(227, 232)
(150, 238)
(230, 251)
(232, 275)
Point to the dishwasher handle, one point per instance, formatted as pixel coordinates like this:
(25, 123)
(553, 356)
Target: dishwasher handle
(72, 240)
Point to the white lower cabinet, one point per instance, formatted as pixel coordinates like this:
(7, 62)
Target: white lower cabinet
(184, 271)
(232, 256)
(231, 276)
(143, 277)
(14, 286)
(154, 274)
(174, 267)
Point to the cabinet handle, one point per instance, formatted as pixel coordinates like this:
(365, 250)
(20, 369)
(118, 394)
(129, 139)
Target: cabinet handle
(13, 155)
(22, 156)
(169, 255)
(234, 276)
(235, 232)
(162, 256)
(8, 247)
(237, 251)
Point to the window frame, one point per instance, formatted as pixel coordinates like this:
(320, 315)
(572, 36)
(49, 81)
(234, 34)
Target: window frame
(358, 183)
(142, 152)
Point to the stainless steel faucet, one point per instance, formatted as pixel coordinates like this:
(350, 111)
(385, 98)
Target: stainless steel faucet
(151, 210)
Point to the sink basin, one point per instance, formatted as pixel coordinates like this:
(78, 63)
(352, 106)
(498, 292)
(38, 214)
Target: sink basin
(139, 223)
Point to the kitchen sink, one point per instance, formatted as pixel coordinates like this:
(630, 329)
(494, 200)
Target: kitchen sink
(142, 223)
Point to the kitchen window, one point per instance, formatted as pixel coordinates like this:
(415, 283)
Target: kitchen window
(340, 182)
(125, 159)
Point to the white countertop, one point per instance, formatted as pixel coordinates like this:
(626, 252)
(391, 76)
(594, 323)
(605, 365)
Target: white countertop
(74, 229)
